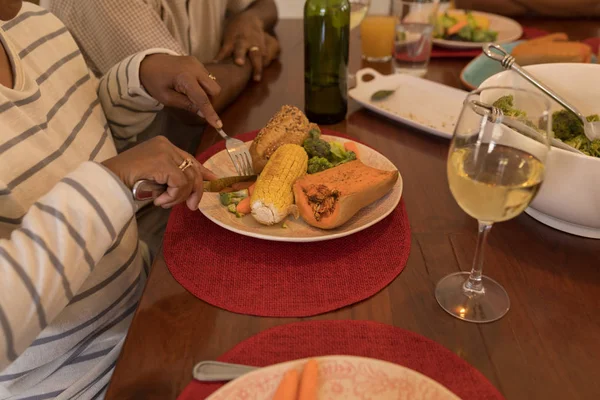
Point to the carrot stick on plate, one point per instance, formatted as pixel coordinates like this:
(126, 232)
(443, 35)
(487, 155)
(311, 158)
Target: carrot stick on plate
(308, 383)
(288, 387)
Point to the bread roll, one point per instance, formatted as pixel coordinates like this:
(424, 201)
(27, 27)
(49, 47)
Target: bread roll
(288, 125)
(553, 48)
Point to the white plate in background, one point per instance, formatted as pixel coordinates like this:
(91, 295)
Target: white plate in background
(420, 103)
(508, 30)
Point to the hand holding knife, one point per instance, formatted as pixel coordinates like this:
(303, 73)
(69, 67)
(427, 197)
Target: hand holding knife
(146, 189)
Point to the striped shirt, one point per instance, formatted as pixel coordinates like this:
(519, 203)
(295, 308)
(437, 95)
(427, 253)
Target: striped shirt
(71, 264)
(109, 30)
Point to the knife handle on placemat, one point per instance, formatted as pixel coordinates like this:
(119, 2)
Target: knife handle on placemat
(147, 189)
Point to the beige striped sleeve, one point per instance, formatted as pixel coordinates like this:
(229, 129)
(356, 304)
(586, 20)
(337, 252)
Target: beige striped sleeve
(129, 109)
(47, 259)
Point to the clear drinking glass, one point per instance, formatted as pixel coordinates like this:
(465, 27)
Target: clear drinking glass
(377, 37)
(414, 35)
(495, 169)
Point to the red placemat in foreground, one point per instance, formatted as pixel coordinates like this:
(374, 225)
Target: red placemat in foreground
(276, 279)
(355, 338)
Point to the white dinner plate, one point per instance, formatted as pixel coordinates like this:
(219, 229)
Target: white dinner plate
(508, 30)
(420, 103)
(297, 230)
(341, 377)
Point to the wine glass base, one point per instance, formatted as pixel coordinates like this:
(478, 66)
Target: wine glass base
(490, 305)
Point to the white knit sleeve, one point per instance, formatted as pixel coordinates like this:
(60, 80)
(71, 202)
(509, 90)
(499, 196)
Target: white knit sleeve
(47, 259)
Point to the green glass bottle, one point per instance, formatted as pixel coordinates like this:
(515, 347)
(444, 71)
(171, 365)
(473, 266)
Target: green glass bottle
(326, 48)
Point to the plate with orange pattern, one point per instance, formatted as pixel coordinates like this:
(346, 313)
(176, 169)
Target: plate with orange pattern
(341, 377)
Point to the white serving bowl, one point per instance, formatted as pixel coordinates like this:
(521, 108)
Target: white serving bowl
(569, 199)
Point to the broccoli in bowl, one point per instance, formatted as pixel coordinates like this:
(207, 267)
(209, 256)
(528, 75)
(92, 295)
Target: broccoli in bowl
(566, 126)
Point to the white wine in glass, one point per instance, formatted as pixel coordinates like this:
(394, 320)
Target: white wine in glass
(358, 11)
(483, 193)
(495, 169)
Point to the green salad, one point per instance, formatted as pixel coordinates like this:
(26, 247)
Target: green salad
(566, 126)
(464, 27)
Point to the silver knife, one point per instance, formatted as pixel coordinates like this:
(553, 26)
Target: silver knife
(147, 189)
(215, 371)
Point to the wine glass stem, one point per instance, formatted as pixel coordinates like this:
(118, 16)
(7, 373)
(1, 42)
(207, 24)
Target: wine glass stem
(473, 284)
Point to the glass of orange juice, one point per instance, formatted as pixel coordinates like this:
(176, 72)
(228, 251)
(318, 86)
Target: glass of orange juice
(377, 37)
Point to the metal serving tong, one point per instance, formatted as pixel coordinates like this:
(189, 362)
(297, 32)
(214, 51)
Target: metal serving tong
(498, 53)
(496, 115)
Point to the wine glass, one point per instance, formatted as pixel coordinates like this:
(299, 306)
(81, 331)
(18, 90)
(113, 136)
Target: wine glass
(358, 11)
(495, 169)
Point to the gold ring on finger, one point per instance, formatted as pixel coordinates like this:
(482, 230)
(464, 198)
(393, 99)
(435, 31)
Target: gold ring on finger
(185, 164)
(211, 76)
(254, 48)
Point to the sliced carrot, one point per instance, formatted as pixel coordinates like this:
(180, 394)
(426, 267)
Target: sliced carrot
(456, 27)
(288, 387)
(243, 207)
(351, 146)
(308, 382)
(251, 189)
(241, 185)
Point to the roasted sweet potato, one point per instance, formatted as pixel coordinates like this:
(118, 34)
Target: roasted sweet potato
(330, 198)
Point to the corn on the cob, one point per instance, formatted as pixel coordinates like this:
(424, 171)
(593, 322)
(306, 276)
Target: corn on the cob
(273, 197)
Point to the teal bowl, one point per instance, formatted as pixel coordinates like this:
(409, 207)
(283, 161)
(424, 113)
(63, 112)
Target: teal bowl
(481, 68)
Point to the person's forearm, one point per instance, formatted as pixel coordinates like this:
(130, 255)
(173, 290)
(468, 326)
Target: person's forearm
(266, 11)
(232, 78)
(505, 7)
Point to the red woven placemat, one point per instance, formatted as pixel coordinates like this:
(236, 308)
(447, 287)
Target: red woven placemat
(276, 279)
(355, 338)
(528, 33)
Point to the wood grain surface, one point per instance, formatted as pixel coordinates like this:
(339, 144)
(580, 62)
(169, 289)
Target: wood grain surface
(546, 347)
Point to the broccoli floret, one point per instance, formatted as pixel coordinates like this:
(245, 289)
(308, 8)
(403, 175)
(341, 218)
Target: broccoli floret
(479, 35)
(579, 142)
(566, 125)
(233, 197)
(583, 144)
(350, 156)
(594, 148)
(318, 164)
(505, 103)
(466, 33)
(315, 146)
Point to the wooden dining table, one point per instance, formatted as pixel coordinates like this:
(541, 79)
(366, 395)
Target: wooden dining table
(546, 347)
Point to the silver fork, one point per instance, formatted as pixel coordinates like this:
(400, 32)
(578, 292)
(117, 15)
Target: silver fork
(239, 154)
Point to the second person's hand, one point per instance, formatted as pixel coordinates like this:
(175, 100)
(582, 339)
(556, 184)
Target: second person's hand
(181, 82)
(245, 36)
